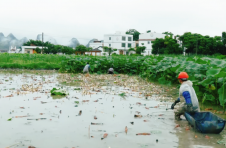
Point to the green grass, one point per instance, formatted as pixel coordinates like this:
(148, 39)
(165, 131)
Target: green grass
(30, 61)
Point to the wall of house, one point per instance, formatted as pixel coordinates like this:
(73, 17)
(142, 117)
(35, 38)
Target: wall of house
(151, 35)
(147, 44)
(24, 49)
(116, 41)
(28, 50)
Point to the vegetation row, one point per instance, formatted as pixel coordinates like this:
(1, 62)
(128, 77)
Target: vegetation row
(207, 74)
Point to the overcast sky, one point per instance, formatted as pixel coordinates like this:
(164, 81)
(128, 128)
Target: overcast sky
(87, 19)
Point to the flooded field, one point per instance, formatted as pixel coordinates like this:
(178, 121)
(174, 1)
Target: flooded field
(100, 111)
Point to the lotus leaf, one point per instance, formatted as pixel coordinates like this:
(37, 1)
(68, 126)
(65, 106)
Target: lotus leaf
(222, 95)
(60, 92)
(208, 97)
(206, 82)
(213, 71)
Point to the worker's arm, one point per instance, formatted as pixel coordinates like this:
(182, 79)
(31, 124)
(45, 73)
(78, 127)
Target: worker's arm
(187, 98)
(175, 102)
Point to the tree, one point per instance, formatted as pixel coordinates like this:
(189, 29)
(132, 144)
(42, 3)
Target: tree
(196, 43)
(33, 42)
(171, 46)
(38, 50)
(108, 49)
(46, 50)
(67, 50)
(135, 34)
(131, 49)
(105, 49)
(168, 33)
(115, 49)
(81, 48)
(158, 46)
(140, 49)
(168, 45)
(89, 48)
(224, 42)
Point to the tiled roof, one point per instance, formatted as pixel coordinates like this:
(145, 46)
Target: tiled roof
(96, 49)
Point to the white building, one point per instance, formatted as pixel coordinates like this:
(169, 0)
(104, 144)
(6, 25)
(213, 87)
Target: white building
(145, 40)
(96, 44)
(97, 48)
(30, 49)
(13, 49)
(120, 41)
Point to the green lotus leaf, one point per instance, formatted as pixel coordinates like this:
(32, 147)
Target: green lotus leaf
(222, 95)
(208, 97)
(200, 61)
(221, 74)
(213, 71)
(218, 63)
(206, 82)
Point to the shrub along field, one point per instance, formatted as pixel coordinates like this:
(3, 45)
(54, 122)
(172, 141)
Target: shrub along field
(30, 61)
(208, 74)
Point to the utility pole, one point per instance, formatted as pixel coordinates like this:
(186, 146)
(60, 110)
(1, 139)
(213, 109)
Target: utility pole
(42, 42)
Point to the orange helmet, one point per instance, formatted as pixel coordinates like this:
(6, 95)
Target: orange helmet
(183, 75)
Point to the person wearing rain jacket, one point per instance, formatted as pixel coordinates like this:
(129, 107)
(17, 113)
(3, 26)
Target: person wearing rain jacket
(86, 68)
(111, 71)
(187, 92)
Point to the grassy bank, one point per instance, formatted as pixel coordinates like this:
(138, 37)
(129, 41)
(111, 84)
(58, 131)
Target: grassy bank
(30, 61)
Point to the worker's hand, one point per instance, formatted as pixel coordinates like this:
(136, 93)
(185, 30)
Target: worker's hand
(172, 106)
(175, 102)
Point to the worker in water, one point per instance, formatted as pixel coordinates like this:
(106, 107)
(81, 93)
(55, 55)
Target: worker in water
(190, 102)
(111, 71)
(86, 68)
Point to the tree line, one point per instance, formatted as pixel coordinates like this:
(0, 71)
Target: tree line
(54, 49)
(191, 43)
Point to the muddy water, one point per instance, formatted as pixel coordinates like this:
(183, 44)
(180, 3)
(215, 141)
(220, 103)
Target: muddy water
(45, 121)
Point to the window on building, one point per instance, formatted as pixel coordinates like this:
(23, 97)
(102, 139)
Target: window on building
(137, 44)
(109, 38)
(148, 42)
(123, 38)
(28, 51)
(129, 44)
(142, 43)
(129, 38)
(109, 45)
(123, 44)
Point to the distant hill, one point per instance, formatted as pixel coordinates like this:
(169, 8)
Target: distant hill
(74, 42)
(46, 38)
(7, 41)
(91, 41)
(10, 40)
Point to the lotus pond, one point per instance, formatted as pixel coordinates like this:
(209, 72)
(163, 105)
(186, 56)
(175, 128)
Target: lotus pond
(104, 111)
